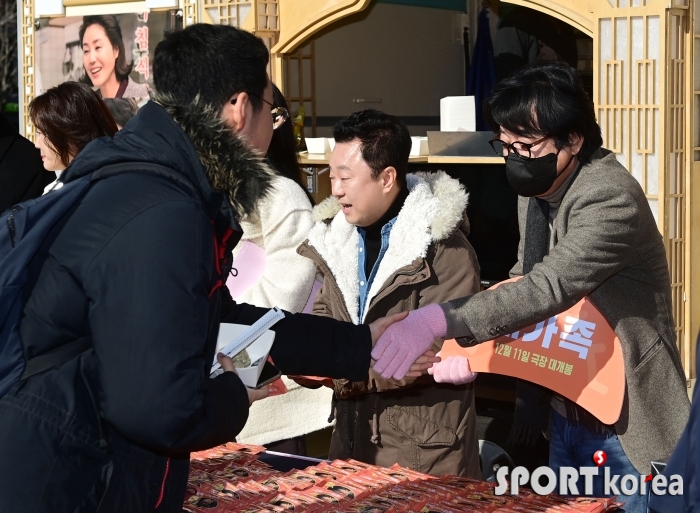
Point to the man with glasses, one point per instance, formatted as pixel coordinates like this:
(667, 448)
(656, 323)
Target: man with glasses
(137, 269)
(586, 231)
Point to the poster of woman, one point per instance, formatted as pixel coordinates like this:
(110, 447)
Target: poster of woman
(111, 53)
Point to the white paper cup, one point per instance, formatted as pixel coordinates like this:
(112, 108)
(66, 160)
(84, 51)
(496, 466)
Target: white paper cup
(317, 145)
(419, 146)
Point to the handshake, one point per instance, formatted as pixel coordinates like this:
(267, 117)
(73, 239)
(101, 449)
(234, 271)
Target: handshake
(402, 347)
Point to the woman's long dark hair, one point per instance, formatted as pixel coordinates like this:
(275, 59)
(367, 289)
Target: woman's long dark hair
(282, 153)
(114, 34)
(71, 115)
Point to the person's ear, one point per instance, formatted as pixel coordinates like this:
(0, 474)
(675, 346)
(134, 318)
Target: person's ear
(575, 143)
(234, 112)
(389, 176)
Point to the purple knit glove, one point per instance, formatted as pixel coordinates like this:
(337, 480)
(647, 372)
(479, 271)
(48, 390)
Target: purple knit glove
(404, 341)
(453, 369)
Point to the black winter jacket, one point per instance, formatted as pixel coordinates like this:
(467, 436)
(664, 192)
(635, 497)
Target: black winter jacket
(139, 264)
(22, 173)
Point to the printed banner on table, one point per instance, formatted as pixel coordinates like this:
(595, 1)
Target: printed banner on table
(575, 353)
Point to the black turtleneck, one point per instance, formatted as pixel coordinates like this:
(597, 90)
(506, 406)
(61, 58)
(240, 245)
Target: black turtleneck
(373, 232)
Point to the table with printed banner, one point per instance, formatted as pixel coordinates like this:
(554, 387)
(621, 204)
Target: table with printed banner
(234, 477)
(575, 353)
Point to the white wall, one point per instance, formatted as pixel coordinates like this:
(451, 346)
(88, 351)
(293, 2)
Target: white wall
(410, 57)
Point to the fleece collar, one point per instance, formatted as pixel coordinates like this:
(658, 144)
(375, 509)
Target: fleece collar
(230, 166)
(433, 210)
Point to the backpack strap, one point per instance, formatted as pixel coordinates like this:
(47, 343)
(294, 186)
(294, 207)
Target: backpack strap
(73, 349)
(56, 356)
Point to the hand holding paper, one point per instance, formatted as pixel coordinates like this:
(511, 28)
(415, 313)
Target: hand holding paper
(253, 394)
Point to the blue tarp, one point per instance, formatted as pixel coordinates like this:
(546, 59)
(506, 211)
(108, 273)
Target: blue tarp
(482, 74)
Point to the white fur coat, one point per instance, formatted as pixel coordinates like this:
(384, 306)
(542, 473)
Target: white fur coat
(281, 224)
(434, 209)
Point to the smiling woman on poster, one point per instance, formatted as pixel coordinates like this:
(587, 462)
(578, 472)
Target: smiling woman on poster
(104, 59)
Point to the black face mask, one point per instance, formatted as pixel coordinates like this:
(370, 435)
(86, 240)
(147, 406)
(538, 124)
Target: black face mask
(531, 177)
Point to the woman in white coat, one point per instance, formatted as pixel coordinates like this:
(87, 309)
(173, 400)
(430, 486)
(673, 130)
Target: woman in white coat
(282, 222)
(269, 272)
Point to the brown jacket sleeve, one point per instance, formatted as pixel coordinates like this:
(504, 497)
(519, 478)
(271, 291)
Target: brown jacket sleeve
(321, 305)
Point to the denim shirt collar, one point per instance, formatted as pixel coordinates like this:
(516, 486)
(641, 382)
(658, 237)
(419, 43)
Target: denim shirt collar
(365, 282)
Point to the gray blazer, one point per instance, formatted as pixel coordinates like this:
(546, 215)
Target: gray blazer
(607, 247)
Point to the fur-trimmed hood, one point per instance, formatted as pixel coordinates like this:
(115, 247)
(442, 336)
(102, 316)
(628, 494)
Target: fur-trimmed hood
(231, 167)
(191, 139)
(434, 209)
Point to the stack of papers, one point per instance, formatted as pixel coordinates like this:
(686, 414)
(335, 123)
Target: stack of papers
(457, 114)
(257, 339)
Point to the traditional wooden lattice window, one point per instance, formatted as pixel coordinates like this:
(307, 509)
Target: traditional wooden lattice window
(27, 92)
(677, 195)
(260, 17)
(189, 12)
(227, 12)
(299, 71)
(641, 54)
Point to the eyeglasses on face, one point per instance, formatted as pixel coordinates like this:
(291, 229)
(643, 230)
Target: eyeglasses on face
(503, 149)
(279, 114)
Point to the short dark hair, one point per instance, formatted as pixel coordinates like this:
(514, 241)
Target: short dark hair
(212, 61)
(385, 140)
(71, 115)
(114, 34)
(122, 109)
(545, 100)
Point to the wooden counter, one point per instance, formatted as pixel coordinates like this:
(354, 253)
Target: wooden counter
(316, 172)
(322, 159)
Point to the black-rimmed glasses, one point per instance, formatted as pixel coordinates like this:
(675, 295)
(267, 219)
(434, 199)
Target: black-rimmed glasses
(279, 114)
(503, 149)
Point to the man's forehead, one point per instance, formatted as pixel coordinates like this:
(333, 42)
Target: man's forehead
(506, 134)
(347, 156)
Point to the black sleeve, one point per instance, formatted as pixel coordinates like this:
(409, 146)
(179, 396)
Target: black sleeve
(308, 344)
(22, 174)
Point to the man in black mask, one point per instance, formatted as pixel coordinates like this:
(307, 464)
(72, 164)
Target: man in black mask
(586, 231)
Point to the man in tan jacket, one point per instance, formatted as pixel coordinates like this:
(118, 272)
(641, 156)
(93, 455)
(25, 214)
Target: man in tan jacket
(386, 243)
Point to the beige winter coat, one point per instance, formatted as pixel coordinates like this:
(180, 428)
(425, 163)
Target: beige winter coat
(417, 423)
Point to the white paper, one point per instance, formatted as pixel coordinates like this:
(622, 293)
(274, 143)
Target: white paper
(250, 335)
(457, 113)
(257, 351)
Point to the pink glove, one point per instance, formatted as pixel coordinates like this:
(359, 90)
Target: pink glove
(453, 369)
(404, 341)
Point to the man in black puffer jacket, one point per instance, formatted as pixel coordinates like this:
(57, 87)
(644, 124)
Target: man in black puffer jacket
(138, 265)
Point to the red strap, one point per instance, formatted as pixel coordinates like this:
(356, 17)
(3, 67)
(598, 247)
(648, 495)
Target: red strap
(218, 285)
(217, 257)
(162, 488)
(220, 256)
